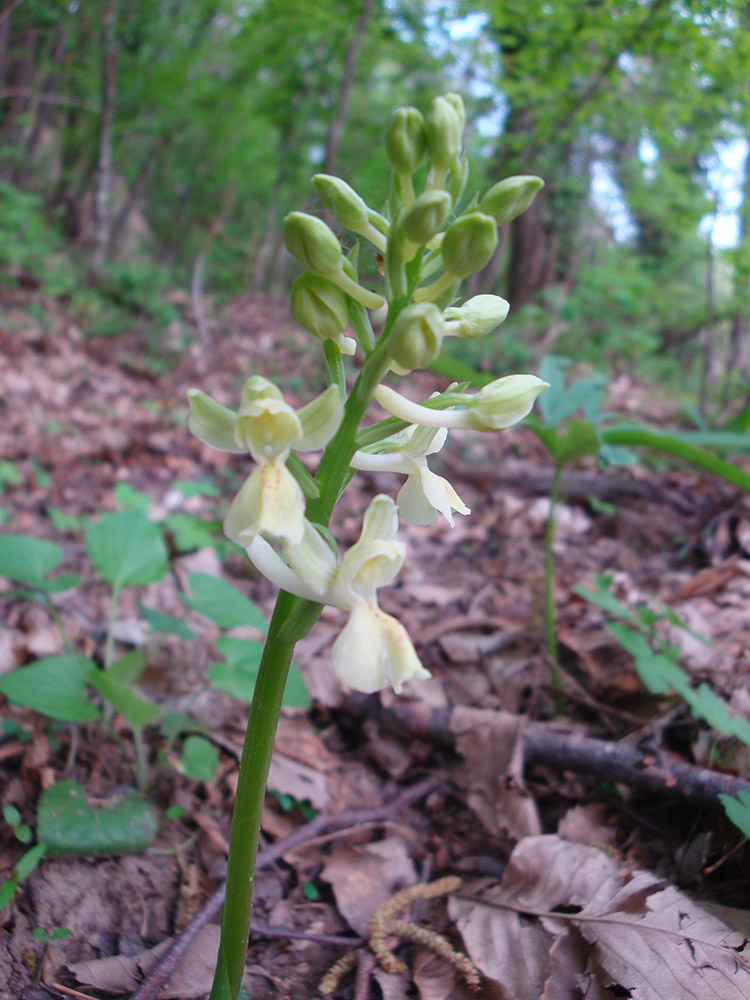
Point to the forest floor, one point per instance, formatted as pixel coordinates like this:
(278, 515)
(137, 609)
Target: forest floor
(643, 864)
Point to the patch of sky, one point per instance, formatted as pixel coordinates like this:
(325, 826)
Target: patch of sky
(725, 170)
(608, 200)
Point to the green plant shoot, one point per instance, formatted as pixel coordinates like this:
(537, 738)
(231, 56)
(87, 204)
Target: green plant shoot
(429, 242)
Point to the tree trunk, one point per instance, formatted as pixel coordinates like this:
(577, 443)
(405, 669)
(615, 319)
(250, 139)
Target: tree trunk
(103, 198)
(43, 107)
(335, 132)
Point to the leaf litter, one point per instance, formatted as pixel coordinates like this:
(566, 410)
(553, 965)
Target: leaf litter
(569, 919)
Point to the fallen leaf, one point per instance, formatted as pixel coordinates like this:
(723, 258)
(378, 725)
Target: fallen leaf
(490, 743)
(654, 942)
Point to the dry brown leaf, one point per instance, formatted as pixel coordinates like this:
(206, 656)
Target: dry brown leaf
(652, 941)
(491, 744)
(364, 877)
(122, 974)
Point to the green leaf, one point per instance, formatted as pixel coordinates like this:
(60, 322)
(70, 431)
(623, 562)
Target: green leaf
(28, 560)
(191, 532)
(11, 815)
(7, 891)
(59, 933)
(166, 624)
(222, 603)
(132, 499)
(40, 934)
(738, 809)
(23, 833)
(58, 584)
(175, 812)
(66, 522)
(128, 668)
(189, 489)
(29, 861)
(236, 677)
(127, 549)
(602, 598)
(67, 824)
(200, 758)
(55, 686)
(136, 710)
(9, 474)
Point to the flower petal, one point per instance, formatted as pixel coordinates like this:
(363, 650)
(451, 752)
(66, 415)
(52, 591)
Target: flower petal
(373, 650)
(320, 419)
(271, 501)
(212, 423)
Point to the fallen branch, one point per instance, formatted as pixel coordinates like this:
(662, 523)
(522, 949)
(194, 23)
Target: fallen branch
(647, 772)
(320, 825)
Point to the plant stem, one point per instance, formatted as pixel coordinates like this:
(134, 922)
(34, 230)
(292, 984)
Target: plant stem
(248, 805)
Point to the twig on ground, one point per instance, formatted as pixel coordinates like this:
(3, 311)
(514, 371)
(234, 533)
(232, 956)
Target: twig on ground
(648, 772)
(315, 828)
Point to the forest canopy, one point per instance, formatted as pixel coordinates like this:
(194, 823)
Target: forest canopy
(142, 140)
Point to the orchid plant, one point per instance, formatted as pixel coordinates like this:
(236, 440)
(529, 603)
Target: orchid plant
(428, 243)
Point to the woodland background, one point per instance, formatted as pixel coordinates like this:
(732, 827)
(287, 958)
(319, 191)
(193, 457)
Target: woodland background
(586, 627)
(155, 144)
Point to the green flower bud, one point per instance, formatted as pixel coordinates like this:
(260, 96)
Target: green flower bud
(319, 306)
(445, 126)
(476, 317)
(504, 402)
(457, 103)
(406, 140)
(468, 244)
(417, 337)
(509, 198)
(342, 201)
(313, 244)
(426, 215)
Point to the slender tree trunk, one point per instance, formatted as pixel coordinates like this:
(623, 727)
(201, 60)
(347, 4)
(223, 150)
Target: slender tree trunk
(137, 189)
(103, 198)
(336, 130)
(43, 107)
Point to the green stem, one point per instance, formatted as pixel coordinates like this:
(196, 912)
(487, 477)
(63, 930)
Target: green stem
(335, 366)
(141, 762)
(248, 806)
(53, 613)
(549, 575)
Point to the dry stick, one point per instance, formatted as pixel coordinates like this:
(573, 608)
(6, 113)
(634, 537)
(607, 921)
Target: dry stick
(321, 824)
(648, 772)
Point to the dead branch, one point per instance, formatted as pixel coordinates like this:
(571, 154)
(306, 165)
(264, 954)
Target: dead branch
(647, 772)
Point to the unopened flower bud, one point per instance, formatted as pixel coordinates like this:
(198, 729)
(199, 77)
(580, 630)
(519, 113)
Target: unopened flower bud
(476, 317)
(406, 140)
(426, 215)
(445, 126)
(509, 198)
(342, 201)
(469, 243)
(504, 402)
(313, 244)
(319, 306)
(417, 337)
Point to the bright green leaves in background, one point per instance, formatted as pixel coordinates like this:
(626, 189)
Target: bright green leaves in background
(127, 549)
(67, 824)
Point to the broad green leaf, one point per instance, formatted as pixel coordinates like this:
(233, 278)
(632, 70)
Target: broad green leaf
(738, 810)
(11, 815)
(7, 891)
(58, 584)
(136, 710)
(29, 861)
(200, 758)
(28, 560)
(128, 668)
(55, 686)
(131, 499)
(236, 677)
(222, 603)
(167, 624)
(605, 600)
(189, 489)
(191, 532)
(67, 824)
(127, 549)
